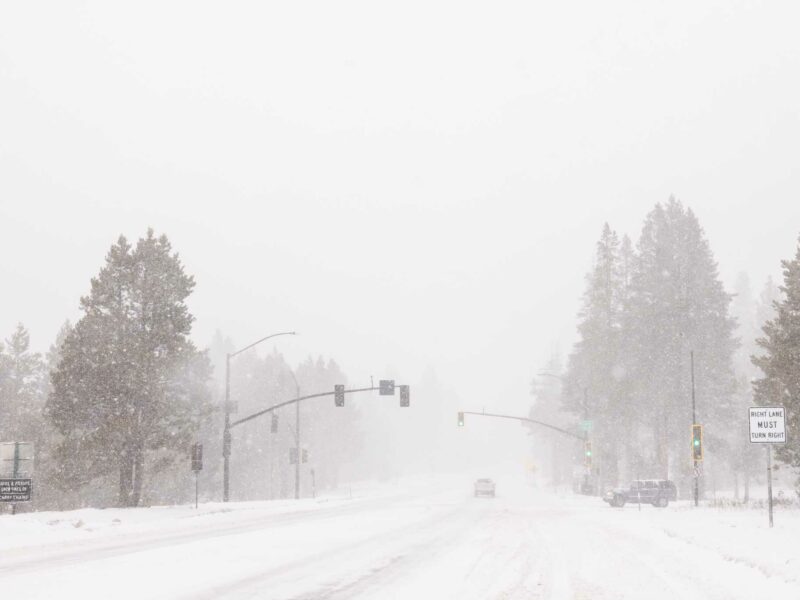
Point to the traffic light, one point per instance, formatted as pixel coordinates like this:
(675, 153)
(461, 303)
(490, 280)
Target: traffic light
(587, 453)
(274, 427)
(461, 419)
(197, 457)
(338, 394)
(405, 396)
(697, 442)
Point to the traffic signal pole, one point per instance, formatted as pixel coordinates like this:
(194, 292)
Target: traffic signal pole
(297, 439)
(523, 419)
(694, 421)
(226, 433)
(296, 401)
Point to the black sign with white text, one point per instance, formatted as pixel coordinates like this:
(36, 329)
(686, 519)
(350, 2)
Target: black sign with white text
(15, 490)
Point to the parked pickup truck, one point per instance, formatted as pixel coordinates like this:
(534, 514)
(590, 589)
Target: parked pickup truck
(484, 487)
(657, 492)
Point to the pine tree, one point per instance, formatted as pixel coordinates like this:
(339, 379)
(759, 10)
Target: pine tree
(595, 376)
(678, 305)
(49, 483)
(130, 384)
(780, 361)
(21, 396)
(768, 299)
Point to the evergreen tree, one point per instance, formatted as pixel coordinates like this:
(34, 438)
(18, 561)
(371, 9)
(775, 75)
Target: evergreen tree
(769, 298)
(678, 305)
(595, 376)
(21, 397)
(780, 361)
(130, 384)
(49, 483)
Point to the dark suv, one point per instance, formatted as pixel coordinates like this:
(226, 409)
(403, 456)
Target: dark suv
(657, 492)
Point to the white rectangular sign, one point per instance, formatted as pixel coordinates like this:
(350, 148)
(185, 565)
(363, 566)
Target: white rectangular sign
(767, 424)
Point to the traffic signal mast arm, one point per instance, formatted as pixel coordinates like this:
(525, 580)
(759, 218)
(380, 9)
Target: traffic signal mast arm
(525, 419)
(296, 400)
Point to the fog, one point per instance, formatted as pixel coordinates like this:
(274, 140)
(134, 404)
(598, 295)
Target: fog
(412, 189)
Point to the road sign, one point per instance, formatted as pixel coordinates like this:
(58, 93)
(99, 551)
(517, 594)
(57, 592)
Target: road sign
(197, 457)
(767, 424)
(387, 387)
(15, 490)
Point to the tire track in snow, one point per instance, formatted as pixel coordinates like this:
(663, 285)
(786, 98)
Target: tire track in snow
(388, 555)
(37, 558)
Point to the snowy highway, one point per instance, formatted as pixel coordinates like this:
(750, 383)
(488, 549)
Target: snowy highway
(425, 541)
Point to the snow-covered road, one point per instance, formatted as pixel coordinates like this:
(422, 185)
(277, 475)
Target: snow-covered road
(418, 542)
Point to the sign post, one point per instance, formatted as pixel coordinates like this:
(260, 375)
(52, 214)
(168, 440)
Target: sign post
(768, 426)
(15, 490)
(197, 466)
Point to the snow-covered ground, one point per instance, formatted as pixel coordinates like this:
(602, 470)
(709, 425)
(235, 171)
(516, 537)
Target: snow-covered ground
(414, 540)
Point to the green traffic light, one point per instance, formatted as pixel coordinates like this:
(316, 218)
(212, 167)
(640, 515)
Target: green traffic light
(697, 442)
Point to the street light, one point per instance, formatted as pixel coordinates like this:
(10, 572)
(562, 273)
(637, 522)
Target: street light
(296, 437)
(226, 435)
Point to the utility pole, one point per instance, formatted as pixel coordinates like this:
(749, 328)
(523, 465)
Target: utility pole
(226, 434)
(694, 421)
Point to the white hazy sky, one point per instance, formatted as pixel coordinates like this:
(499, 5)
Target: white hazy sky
(407, 184)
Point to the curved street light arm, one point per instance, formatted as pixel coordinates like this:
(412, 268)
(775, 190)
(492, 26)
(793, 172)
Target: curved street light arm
(262, 340)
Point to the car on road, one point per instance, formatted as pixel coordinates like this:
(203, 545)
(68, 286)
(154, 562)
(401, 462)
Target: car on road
(484, 487)
(658, 492)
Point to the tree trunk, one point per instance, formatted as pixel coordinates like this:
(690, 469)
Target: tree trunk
(125, 478)
(736, 486)
(662, 451)
(138, 476)
(746, 487)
